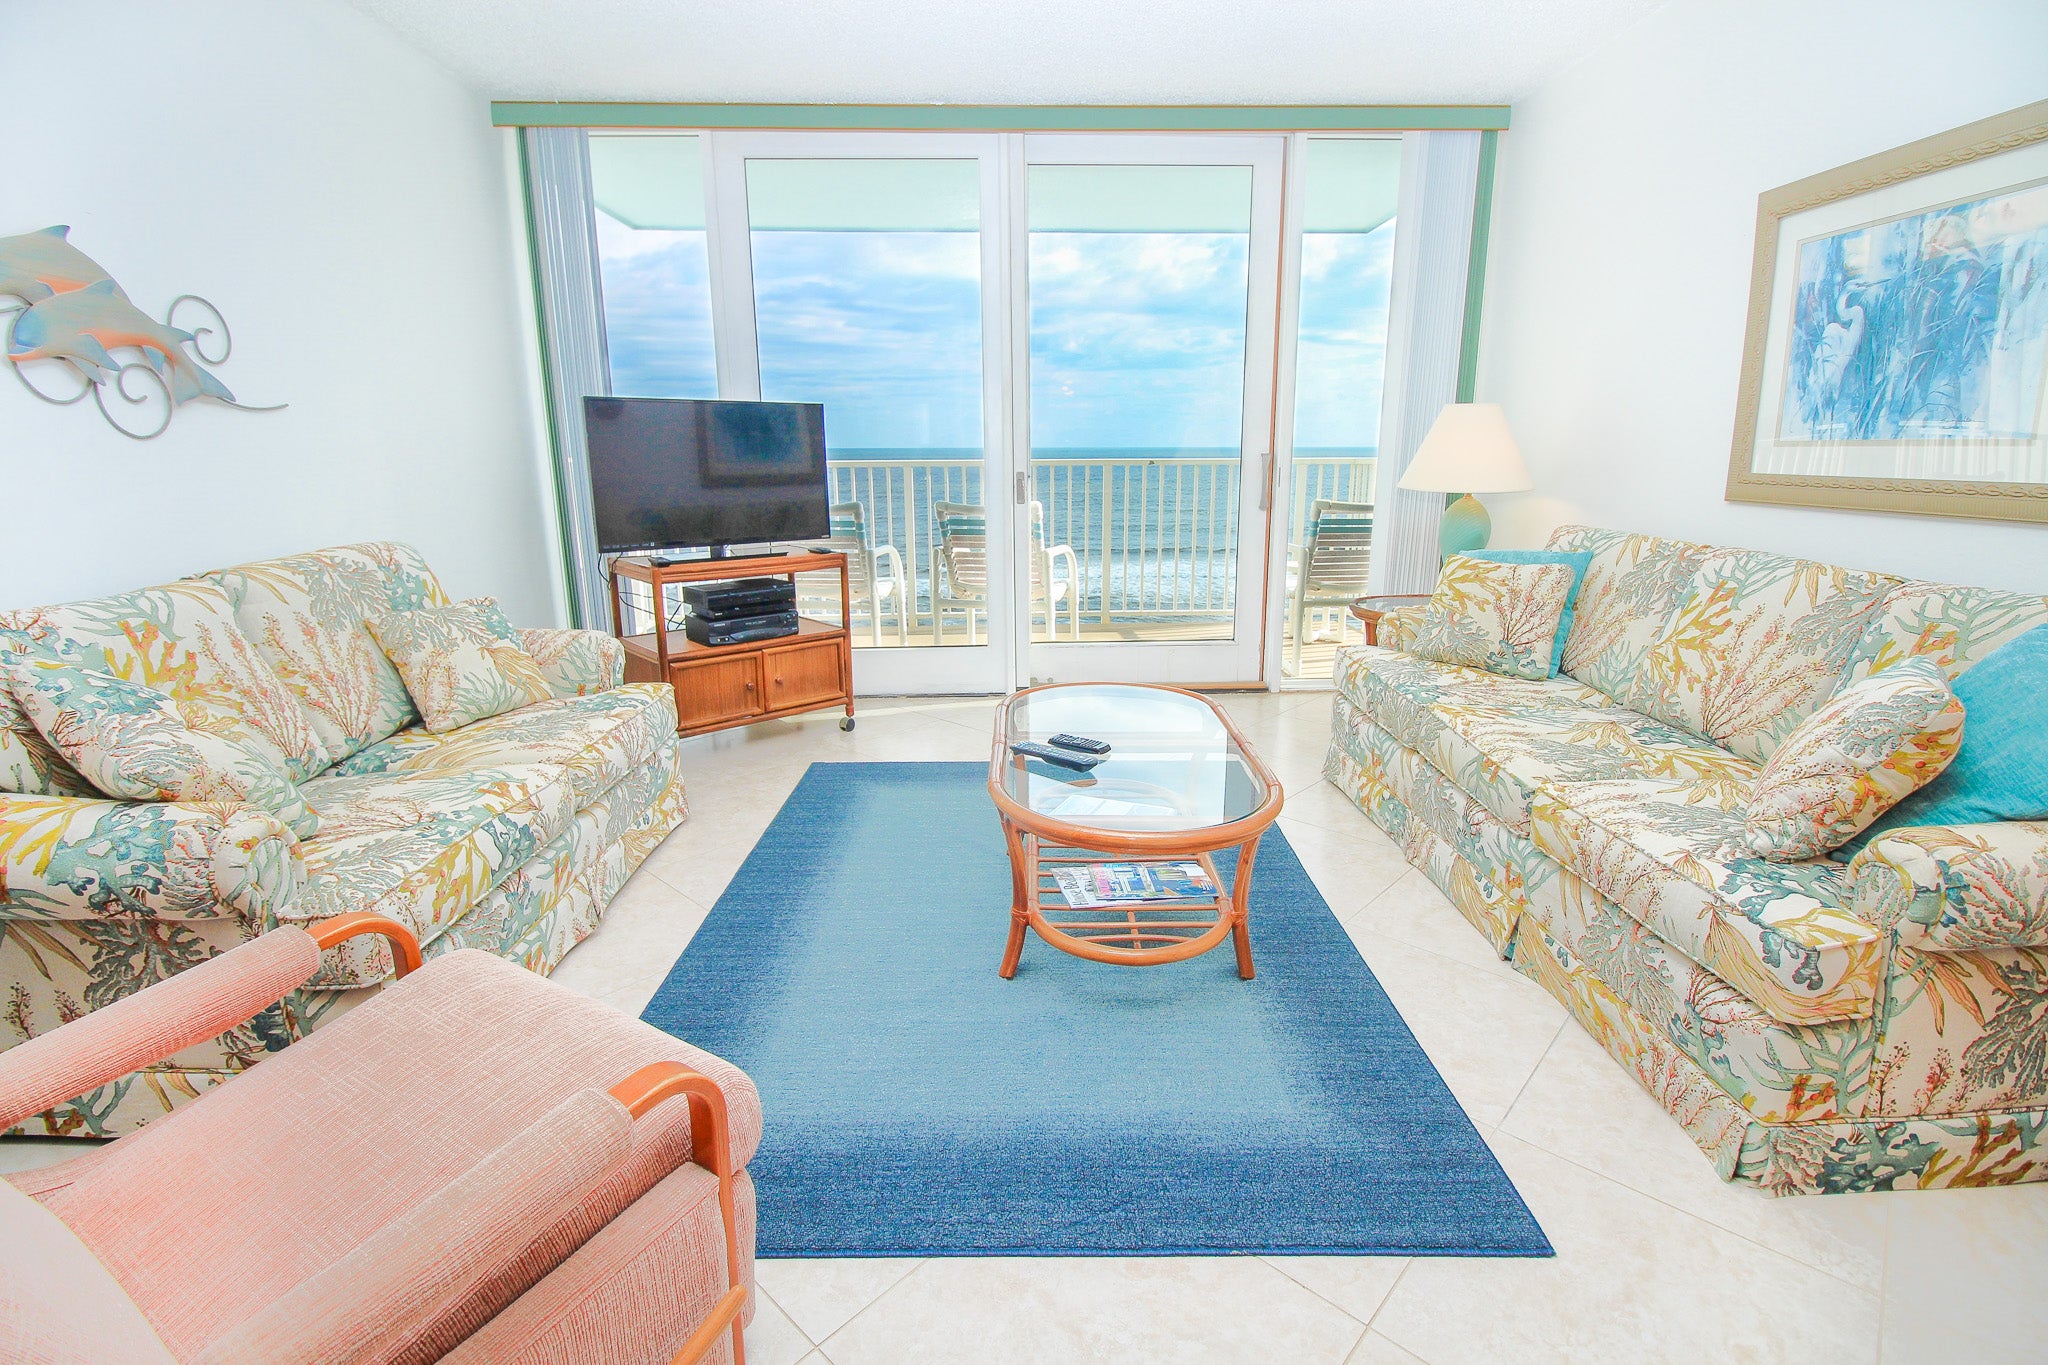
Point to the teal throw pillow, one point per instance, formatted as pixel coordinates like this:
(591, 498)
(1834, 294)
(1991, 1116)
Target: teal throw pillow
(2001, 772)
(1579, 562)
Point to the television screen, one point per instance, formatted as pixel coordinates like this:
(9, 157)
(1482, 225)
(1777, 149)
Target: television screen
(670, 472)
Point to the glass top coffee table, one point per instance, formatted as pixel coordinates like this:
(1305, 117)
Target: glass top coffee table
(1180, 784)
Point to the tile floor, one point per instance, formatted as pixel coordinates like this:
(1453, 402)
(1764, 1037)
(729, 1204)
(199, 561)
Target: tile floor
(1657, 1259)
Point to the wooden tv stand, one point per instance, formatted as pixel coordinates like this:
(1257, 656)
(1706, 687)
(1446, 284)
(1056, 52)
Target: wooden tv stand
(721, 686)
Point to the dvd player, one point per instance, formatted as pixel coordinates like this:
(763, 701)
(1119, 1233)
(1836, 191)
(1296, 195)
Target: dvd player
(739, 630)
(739, 597)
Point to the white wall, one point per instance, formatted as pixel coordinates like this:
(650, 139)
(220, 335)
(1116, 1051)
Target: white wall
(344, 201)
(1621, 243)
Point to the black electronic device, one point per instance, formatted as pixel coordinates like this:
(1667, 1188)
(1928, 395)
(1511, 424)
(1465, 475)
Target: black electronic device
(724, 600)
(1081, 745)
(740, 630)
(673, 472)
(1059, 758)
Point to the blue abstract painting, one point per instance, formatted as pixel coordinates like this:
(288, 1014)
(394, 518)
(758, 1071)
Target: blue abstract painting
(1928, 327)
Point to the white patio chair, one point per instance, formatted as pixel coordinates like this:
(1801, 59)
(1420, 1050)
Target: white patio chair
(961, 583)
(874, 573)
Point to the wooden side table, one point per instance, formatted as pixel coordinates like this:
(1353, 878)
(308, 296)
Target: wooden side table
(1369, 610)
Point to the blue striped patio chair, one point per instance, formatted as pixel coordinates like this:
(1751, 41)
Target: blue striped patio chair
(1333, 565)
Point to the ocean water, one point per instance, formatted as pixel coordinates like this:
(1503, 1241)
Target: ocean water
(1154, 530)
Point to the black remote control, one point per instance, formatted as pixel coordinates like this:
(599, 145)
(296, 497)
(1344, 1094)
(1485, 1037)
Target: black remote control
(1080, 744)
(1059, 758)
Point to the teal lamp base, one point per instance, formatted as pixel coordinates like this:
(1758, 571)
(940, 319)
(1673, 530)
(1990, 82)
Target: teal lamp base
(1465, 527)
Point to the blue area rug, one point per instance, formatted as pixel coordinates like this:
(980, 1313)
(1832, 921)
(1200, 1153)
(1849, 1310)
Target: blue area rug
(919, 1105)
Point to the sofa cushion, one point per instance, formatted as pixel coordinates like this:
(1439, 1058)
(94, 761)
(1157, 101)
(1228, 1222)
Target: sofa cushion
(1757, 643)
(182, 640)
(1502, 739)
(1626, 597)
(598, 738)
(1672, 855)
(132, 742)
(421, 847)
(1867, 748)
(306, 613)
(1504, 618)
(1954, 626)
(461, 663)
(29, 765)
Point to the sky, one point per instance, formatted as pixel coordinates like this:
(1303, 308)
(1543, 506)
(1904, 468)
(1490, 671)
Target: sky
(1137, 338)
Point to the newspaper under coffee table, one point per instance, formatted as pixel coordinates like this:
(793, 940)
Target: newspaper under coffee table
(1180, 783)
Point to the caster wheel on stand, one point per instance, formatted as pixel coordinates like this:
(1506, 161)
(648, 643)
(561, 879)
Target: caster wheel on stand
(846, 724)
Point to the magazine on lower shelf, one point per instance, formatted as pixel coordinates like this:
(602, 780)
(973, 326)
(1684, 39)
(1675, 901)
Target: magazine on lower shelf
(1090, 885)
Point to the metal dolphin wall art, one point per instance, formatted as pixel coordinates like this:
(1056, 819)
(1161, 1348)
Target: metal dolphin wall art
(36, 265)
(72, 312)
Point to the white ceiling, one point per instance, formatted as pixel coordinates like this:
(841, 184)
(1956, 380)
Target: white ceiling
(1009, 51)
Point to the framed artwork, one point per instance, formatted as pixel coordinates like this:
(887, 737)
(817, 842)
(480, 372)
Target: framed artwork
(1897, 352)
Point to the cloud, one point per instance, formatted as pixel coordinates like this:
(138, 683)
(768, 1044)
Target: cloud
(1137, 339)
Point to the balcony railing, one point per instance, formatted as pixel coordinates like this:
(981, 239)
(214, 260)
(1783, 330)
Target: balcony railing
(1156, 535)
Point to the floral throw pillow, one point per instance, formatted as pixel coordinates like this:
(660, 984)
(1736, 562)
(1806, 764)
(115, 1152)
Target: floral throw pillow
(134, 743)
(1866, 749)
(1503, 618)
(461, 663)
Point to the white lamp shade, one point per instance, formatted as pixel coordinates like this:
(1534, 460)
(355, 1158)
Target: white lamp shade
(1469, 449)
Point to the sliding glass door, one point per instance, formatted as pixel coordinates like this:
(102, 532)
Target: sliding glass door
(1048, 364)
(1148, 281)
(853, 272)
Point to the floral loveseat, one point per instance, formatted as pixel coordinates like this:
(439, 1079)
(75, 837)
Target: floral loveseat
(1813, 1026)
(510, 834)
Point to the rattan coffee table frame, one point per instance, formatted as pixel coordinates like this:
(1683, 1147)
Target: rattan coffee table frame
(1152, 934)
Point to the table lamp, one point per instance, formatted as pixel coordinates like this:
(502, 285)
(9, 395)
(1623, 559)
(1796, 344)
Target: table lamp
(1469, 450)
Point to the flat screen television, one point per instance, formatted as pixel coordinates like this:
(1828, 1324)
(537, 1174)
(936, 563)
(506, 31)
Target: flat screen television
(672, 472)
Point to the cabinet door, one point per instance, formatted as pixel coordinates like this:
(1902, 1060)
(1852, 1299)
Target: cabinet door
(717, 690)
(803, 675)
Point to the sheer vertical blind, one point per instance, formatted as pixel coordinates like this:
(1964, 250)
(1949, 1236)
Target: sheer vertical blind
(1425, 328)
(559, 212)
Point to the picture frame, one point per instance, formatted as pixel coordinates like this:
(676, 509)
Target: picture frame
(1896, 354)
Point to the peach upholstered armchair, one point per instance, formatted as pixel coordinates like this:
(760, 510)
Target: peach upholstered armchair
(475, 1165)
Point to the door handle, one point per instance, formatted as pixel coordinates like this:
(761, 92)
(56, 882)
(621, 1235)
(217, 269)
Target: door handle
(1023, 488)
(1265, 480)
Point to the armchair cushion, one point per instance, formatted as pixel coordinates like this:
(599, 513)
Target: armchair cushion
(429, 1261)
(1866, 749)
(460, 663)
(57, 1302)
(576, 663)
(1503, 618)
(130, 741)
(66, 858)
(1958, 889)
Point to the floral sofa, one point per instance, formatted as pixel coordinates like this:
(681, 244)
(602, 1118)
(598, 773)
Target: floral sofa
(1813, 1026)
(510, 834)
